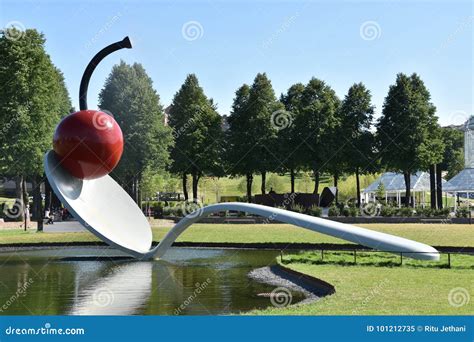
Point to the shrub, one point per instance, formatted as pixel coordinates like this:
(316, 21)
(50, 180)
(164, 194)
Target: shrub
(462, 212)
(297, 208)
(346, 212)
(333, 211)
(158, 211)
(442, 212)
(426, 212)
(315, 211)
(386, 211)
(167, 211)
(405, 212)
(177, 211)
(353, 211)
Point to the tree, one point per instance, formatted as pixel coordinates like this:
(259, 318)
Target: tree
(197, 132)
(356, 116)
(32, 101)
(405, 129)
(431, 154)
(239, 140)
(453, 158)
(264, 113)
(289, 139)
(380, 192)
(129, 95)
(316, 124)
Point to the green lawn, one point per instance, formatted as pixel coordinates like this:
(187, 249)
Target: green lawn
(433, 234)
(412, 289)
(211, 188)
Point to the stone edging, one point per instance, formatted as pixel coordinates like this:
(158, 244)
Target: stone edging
(325, 287)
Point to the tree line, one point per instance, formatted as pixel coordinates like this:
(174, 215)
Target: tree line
(308, 128)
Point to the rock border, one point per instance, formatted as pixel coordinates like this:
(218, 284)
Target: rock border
(277, 275)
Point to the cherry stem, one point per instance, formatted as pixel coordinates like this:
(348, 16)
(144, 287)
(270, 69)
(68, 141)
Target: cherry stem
(124, 43)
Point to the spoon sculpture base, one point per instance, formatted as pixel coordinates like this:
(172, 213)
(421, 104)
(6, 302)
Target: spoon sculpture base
(106, 210)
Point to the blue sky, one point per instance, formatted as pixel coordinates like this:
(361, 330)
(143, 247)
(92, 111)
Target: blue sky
(341, 42)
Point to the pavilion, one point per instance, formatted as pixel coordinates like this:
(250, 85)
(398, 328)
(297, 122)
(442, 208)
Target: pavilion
(394, 187)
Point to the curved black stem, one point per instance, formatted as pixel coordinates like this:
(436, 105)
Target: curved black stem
(124, 43)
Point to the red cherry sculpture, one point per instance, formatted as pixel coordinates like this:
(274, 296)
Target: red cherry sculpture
(89, 144)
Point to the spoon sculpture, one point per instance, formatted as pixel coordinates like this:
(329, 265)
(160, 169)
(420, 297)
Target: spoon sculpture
(88, 145)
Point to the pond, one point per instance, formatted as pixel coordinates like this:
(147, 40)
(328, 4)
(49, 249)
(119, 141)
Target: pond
(189, 281)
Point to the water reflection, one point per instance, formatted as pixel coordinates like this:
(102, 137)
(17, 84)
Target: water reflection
(122, 291)
(189, 282)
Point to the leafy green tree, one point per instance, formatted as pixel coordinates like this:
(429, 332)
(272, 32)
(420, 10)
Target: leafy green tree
(289, 139)
(406, 129)
(356, 119)
(380, 192)
(198, 134)
(32, 100)
(317, 124)
(431, 154)
(239, 140)
(453, 158)
(129, 95)
(264, 113)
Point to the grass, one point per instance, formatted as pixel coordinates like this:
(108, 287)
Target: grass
(416, 288)
(346, 258)
(211, 188)
(433, 234)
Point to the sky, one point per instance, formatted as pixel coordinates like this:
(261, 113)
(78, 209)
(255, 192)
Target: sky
(226, 43)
